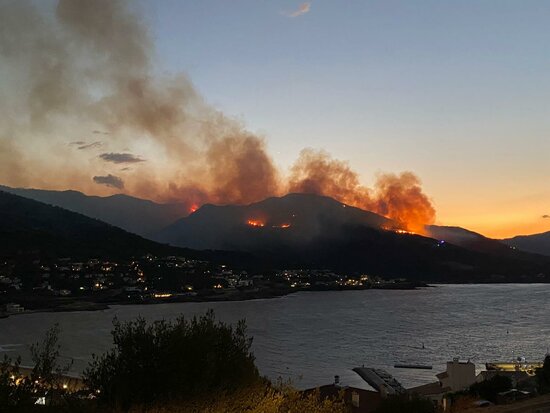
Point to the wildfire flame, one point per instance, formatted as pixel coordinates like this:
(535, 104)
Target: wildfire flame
(255, 223)
(399, 230)
(402, 231)
(282, 226)
(193, 208)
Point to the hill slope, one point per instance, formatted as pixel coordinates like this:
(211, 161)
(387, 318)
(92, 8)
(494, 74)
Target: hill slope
(29, 227)
(293, 220)
(468, 239)
(311, 231)
(536, 243)
(140, 216)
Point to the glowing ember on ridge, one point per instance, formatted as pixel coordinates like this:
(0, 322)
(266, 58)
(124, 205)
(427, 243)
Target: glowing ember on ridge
(255, 223)
(281, 226)
(399, 230)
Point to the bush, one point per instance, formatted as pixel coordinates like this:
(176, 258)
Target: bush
(404, 404)
(260, 398)
(488, 389)
(19, 391)
(172, 361)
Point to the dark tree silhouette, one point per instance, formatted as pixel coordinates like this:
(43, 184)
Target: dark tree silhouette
(172, 361)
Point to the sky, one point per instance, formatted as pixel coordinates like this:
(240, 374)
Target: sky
(456, 91)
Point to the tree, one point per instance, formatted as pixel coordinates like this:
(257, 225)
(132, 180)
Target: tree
(47, 370)
(13, 391)
(172, 361)
(18, 390)
(489, 389)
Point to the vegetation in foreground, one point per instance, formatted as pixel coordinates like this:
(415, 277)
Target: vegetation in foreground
(189, 365)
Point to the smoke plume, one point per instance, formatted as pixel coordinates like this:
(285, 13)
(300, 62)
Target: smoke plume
(88, 67)
(399, 197)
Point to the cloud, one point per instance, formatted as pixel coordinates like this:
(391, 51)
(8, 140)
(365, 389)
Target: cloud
(81, 145)
(98, 132)
(96, 144)
(546, 216)
(120, 158)
(302, 9)
(110, 181)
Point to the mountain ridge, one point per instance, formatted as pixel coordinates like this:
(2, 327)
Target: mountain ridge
(534, 243)
(139, 216)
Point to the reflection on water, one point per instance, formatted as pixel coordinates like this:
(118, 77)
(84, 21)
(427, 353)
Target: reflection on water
(310, 337)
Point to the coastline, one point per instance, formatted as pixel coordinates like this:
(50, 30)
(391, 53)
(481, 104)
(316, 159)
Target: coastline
(73, 304)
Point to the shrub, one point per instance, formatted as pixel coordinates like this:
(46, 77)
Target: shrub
(19, 391)
(488, 389)
(172, 361)
(259, 398)
(404, 404)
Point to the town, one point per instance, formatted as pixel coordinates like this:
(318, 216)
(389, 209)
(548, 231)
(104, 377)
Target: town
(65, 284)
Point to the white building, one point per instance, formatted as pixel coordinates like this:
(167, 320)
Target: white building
(459, 375)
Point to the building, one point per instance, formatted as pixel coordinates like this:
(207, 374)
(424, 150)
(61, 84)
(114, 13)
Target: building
(459, 375)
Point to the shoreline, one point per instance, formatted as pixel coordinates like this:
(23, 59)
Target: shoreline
(56, 304)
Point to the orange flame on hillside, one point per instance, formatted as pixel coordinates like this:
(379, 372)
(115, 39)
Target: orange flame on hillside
(255, 223)
(282, 226)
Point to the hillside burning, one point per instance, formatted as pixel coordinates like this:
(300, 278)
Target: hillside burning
(261, 224)
(91, 76)
(255, 223)
(281, 226)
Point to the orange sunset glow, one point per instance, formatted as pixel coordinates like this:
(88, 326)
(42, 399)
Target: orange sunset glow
(128, 117)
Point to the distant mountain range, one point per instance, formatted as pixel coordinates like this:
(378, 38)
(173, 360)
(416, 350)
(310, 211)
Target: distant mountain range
(297, 230)
(32, 228)
(536, 243)
(468, 239)
(139, 216)
(303, 230)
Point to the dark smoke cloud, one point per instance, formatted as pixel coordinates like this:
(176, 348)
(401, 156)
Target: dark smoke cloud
(110, 181)
(120, 158)
(96, 144)
(81, 145)
(89, 65)
(546, 216)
